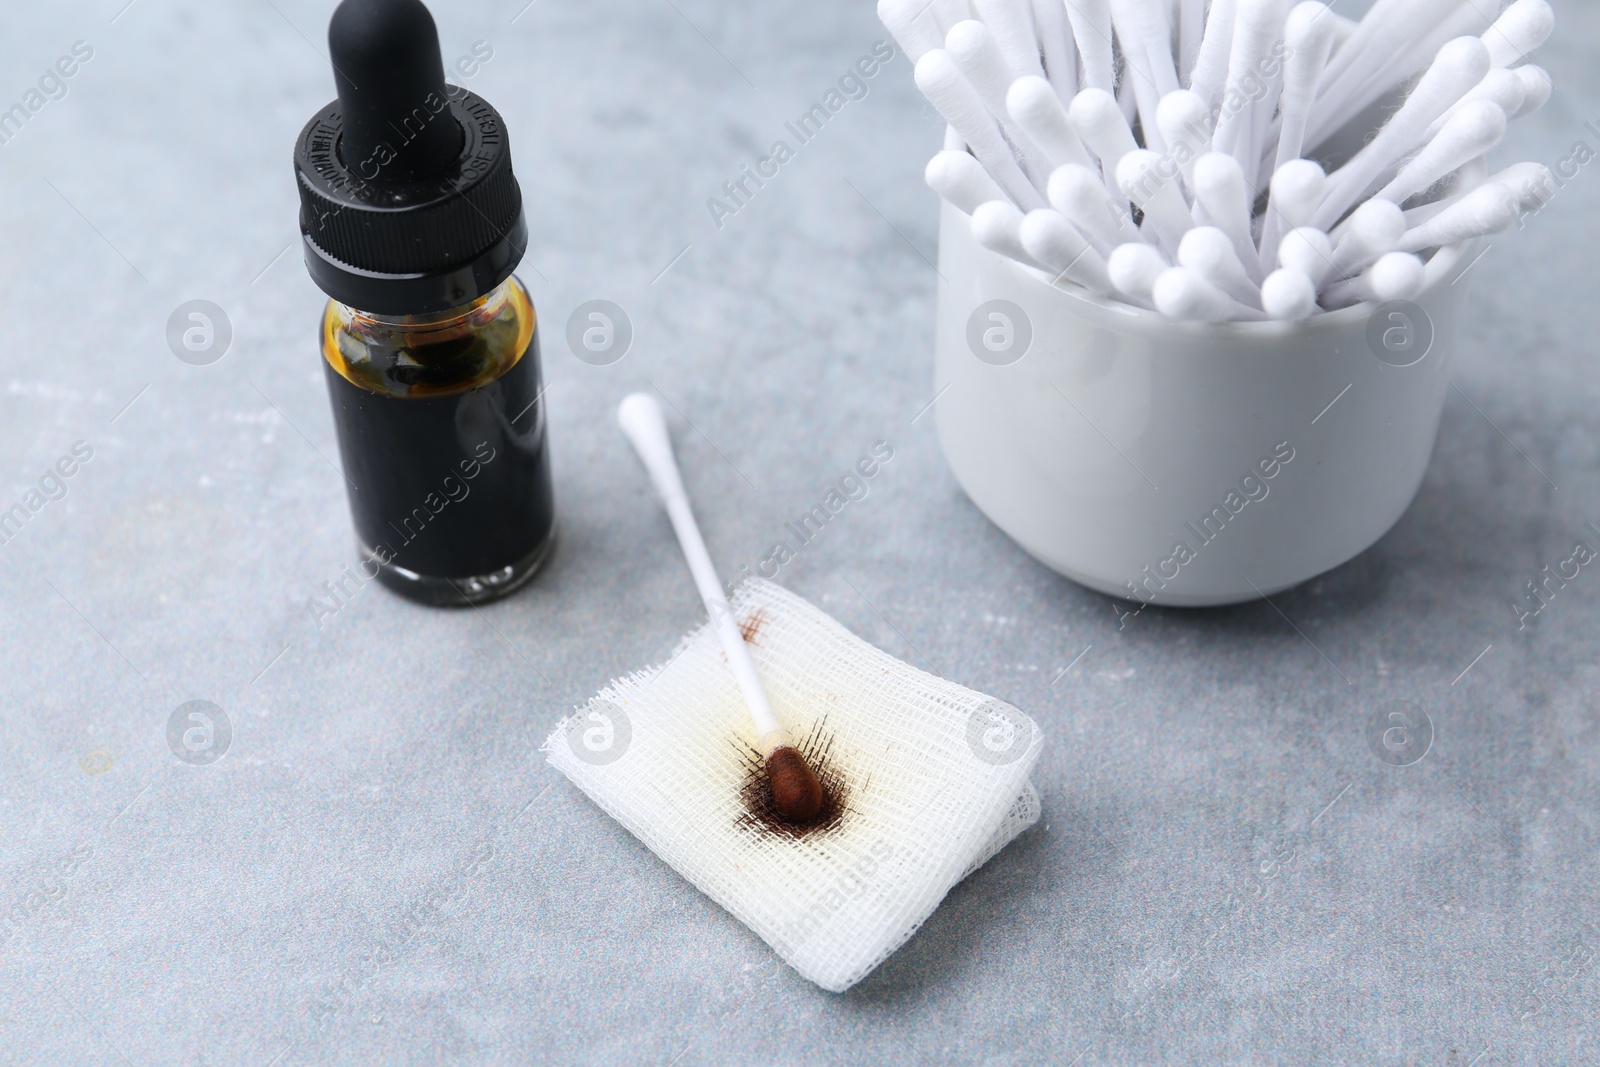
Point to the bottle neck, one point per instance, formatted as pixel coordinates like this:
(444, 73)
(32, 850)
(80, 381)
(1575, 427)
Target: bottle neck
(415, 331)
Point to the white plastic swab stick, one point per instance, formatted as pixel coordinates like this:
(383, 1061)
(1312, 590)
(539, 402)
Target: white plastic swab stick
(1142, 28)
(1297, 191)
(998, 227)
(953, 141)
(1191, 29)
(1220, 188)
(1141, 177)
(1256, 26)
(1501, 87)
(1395, 276)
(1060, 54)
(977, 57)
(960, 179)
(1394, 73)
(1211, 64)
(1101, 126)
(641, 419)
(950, 12)
(1079, 194)
(1182, 294)
(1460, 65)
(1011, 22)
(1208, 251)
(912, 25)
(1520, 29)
(796, 793)
(1033, 105)
(1091, 28)
(1308, 251)
(1536, 88)
(955, 99)
(1288, 295)
(1389, 26)
(1365, 66)
(1309, 34)
(1134, 268)
(1474, 130)
(1185, 124)
(1372, 231)
(1487, 209)
(1062, 250)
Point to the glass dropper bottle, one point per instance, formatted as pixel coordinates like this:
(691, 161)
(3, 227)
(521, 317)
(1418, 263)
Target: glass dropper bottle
(412, 223)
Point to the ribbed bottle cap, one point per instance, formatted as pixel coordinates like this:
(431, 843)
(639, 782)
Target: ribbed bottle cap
(408, 203)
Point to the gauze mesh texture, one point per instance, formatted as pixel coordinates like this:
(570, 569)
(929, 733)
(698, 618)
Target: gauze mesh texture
(926, 781)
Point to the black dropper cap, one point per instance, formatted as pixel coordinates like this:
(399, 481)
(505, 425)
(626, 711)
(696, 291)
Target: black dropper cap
(408, 203)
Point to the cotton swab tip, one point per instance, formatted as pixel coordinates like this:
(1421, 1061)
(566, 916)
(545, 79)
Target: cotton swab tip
(1396, 276)
(796, 791)
(1521, 28)
(1134, 268)
(1308, 251)
(1289, 295)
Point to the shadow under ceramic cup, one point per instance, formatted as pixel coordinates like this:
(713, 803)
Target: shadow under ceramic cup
(1176, 463)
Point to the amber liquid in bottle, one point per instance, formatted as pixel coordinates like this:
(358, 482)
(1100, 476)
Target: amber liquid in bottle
(441, 425)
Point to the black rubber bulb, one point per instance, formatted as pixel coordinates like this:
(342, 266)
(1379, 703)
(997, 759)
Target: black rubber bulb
(386, 63)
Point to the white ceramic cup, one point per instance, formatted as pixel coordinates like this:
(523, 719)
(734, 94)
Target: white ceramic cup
(1175, 463)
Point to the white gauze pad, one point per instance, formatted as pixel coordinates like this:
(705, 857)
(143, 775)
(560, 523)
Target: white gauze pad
(926, 779)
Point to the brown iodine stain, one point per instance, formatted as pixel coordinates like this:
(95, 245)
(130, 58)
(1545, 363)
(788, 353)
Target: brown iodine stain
(761, 817)
(752, 626)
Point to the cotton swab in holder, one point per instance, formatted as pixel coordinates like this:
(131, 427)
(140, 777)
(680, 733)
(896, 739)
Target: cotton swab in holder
(1270, 84)
(796, 792)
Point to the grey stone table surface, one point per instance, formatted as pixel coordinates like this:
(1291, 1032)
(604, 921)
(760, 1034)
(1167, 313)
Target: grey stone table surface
(381, 868)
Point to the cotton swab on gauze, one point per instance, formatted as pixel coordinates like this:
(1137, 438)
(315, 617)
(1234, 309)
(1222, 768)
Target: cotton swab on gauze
(1062, 251)
(1474, 130)
(1220, 188)
(1520, 29)
(1012, 25)
(998, 227)
(978, 58)
(1209, 252)
(960, 179)
(1134, 268)
(1078, 194)
(1091, 28)
(1288, 295)
(1183, 294)
(958, 102)
(923, 804)
(1033, 105)
(1486, 210)
(912, 26)
(1461, 64)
